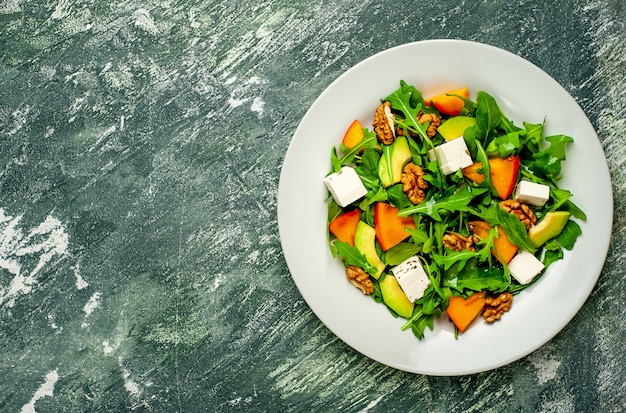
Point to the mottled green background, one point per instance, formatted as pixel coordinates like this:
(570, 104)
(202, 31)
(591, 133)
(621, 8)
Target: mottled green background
(140, 151)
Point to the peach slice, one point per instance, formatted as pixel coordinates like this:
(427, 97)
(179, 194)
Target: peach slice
(503, 172)
(353, 135)
(449, 105)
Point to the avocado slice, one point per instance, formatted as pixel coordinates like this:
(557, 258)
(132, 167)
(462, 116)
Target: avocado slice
(455, 127)
(550, 226)
(394, 297)
(365, 242)
(400, 156)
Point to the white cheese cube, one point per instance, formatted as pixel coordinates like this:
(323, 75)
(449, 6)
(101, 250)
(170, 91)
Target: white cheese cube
(345, 186)
(532, 193)
(525, 267)
(453, 155)
(412, 278)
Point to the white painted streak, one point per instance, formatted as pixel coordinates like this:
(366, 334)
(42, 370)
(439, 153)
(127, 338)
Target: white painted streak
(52, 324)
(45, 390)
(10, 6)
(546, 368)
(563, 402)
(131, 387)
(45, 241)
(90, 306)
(372, 404)
(61, 10)
(144, 21)
(257, 105)
(235, 103)
(80, 281)
(107, 348)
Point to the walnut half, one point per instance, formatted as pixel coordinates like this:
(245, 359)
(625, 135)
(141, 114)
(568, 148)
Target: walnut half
(521, 211)
(496, 306)
(457, 242)
(434, 120)
(360, 279)
(384, 124)
(413, 182)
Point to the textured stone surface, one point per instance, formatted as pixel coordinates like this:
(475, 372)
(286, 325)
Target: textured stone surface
(141, 145)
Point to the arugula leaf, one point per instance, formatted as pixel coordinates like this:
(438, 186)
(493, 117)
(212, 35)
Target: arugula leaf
(507, 125)
(515, 230)
(551, 257)
(547, 163)
(352, 256)
(426, 308)
(388, 168)
(409, 101)
(504, 145)
(398, 253)
(335, 163)
(334, 210)
(488, 245)
(533, 136)
(478, 279)
(403, 100)
(561, 201)
(568, 236)
(458, 201)
(510, 224)
(418, 322)
(377, 295)
(488, 115)
(421, 238)
(368, 168)
(454, 257)
(488, 118)
(369, 141)
(377, 194)
(574, 210)
(398, 197)
(481, 156)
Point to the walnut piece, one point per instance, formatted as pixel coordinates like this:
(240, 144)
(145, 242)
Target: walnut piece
(434, 120)
(457, 242)
(521, 211)
(360, 279)
(384, 124)
(496, 306)
(413, 182)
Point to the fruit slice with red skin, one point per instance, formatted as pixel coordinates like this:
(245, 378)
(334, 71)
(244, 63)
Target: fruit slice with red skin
(463, 311)
(390, 226)
(353, 135)
(503, 172)
(449, 105)
(504, 249)
(344, 226)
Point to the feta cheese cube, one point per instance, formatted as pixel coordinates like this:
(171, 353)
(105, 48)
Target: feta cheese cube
(412, 278)
(345, 186)
(525, 267)
(453, 155)
(532, 193)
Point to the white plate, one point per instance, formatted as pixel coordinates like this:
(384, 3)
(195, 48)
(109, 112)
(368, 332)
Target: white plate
(524, 92)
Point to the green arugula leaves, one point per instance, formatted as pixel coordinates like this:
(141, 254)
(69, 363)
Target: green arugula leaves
(453, 200)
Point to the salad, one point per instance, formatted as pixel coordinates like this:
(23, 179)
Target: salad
(446, 206)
